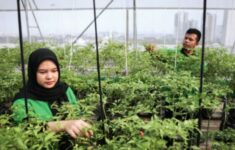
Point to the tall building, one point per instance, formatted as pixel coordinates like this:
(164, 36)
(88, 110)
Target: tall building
(229, 32)
(193, 24)
(210, 27)
(181, 25)
(219, 34)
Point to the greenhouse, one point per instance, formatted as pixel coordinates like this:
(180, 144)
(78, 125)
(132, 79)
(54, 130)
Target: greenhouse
(117, 74)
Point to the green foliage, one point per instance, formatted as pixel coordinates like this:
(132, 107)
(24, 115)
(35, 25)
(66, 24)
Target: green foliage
(25, 136)
(84, 59)
(158, 80)
(112, 58)
(221, 67)
(223, 139)
(10, 84)
(139, 61)
(81, 85)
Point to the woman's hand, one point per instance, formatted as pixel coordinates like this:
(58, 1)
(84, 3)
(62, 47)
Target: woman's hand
(74, 128)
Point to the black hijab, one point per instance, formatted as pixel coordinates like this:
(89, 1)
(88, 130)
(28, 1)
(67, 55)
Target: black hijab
(34, 90)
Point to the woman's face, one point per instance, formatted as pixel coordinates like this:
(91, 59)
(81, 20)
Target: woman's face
(47, 74)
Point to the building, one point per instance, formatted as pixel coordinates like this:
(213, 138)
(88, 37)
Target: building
(210, 28)
(181, 25)
(229, 32)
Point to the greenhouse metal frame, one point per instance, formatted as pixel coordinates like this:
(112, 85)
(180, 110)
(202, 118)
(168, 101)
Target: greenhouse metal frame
(135, 9)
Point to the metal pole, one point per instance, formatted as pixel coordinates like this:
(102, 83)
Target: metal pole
(202, 68)
(40, 32)
(36, 7)
(80, 35)
(233, 48)
(22, 57)
(127, 40)
(134, 26)
(25, 4)
(121, 8)
(103, 116)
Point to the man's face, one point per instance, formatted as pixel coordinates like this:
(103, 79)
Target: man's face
(190, 41)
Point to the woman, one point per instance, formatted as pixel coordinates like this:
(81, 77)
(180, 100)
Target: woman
(44, 89)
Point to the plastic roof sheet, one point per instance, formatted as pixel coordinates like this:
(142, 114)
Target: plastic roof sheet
(88, 4)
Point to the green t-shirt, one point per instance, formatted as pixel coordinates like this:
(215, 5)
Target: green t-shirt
(175, 59)
(191, 62)
(37, 108)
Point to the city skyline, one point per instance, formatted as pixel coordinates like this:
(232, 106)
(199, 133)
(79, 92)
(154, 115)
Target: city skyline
(150, 22)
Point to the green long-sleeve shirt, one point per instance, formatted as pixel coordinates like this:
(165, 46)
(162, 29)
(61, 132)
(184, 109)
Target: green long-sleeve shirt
(37, 108)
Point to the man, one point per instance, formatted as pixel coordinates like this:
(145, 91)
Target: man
(191, 40)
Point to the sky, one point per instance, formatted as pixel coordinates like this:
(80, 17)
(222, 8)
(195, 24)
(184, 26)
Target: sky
(72, 22)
